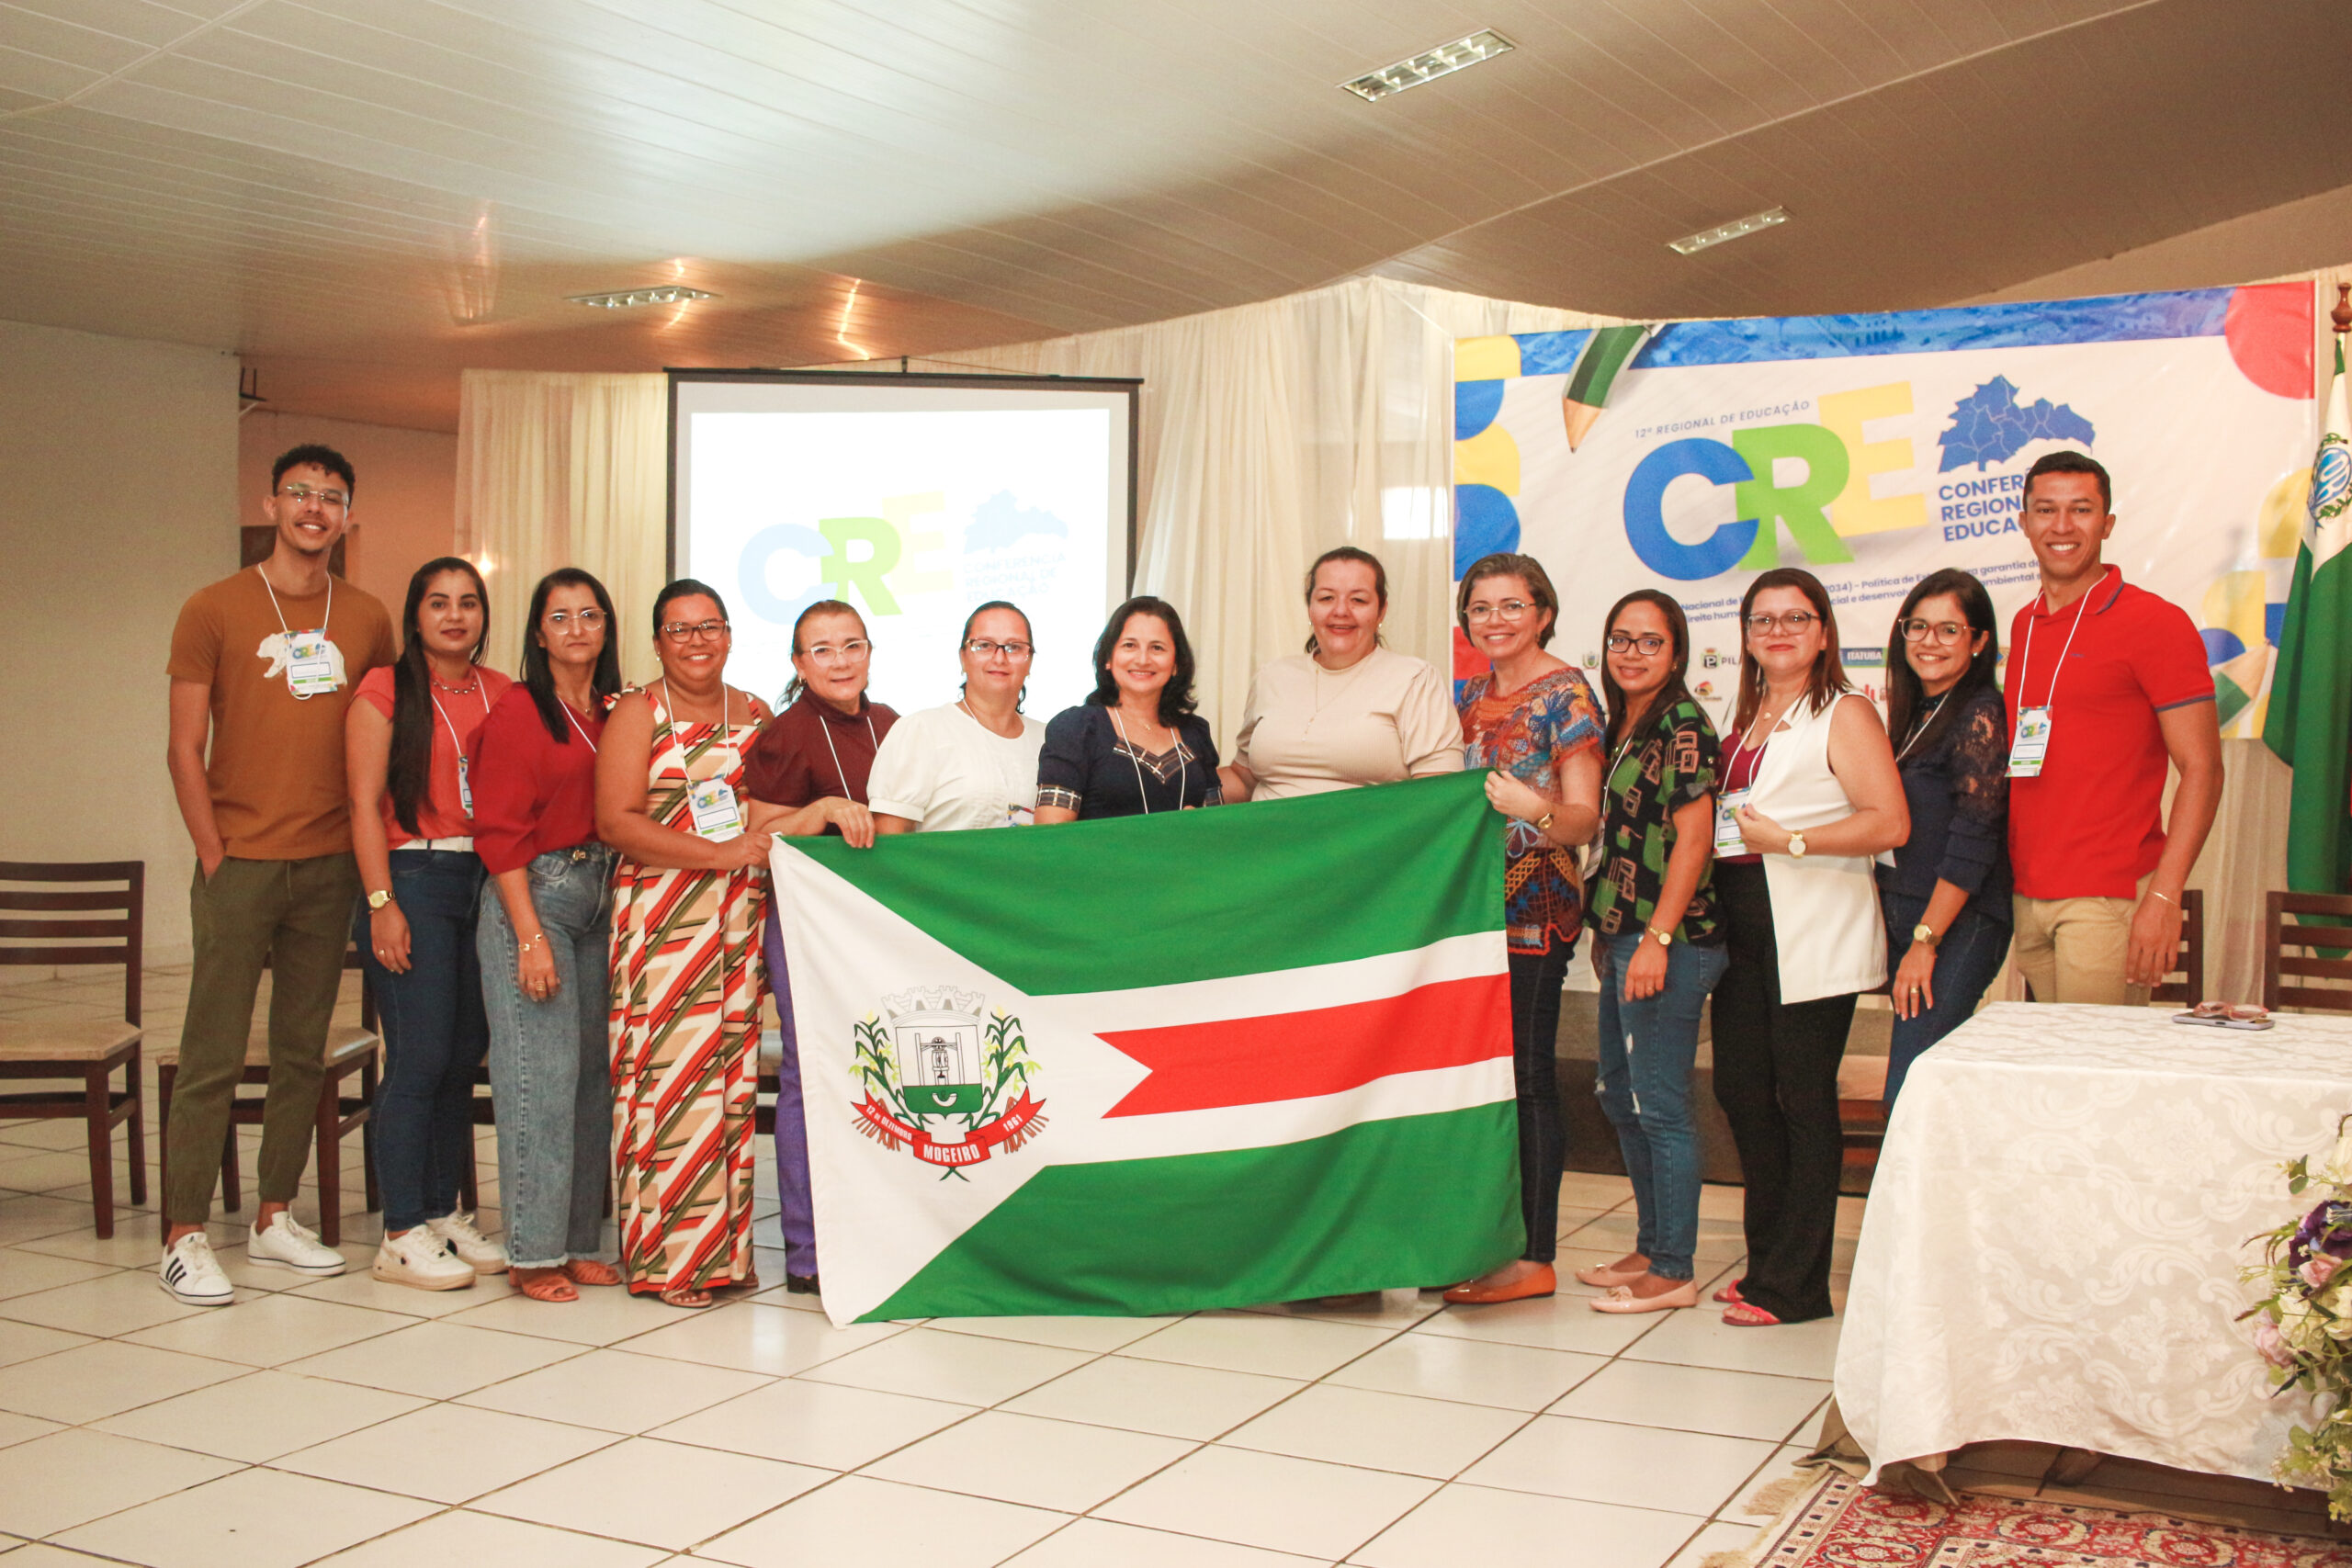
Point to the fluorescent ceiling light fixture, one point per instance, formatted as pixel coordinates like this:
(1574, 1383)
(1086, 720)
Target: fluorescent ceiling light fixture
(1442, 61)
(1731, 230)
(621, 300)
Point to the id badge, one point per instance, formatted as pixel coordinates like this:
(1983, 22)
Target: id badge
(712, 804)
(1727, 839)
(2030, 743)
(464, 786)
(1018, 816)
(310, 670)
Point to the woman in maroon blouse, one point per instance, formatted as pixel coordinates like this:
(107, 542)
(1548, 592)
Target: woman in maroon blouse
(545, 937)
(816, 752)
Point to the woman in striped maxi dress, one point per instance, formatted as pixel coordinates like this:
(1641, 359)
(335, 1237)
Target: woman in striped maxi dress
(688, 896)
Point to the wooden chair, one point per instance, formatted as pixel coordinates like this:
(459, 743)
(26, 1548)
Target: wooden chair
(91, 920)
(2186, 983)
(349, 1051)
(2326, 955)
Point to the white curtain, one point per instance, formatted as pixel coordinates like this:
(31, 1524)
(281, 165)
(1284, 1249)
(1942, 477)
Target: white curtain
(564, 470)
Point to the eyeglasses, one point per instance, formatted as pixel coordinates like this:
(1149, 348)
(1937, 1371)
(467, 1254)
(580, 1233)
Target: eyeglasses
(987, 648)
(1916, 630)
(302, 495)
(1509, 610)
(1794, 621)
(1620, 641)
(852, 651)
(592, 620)
(705, 631)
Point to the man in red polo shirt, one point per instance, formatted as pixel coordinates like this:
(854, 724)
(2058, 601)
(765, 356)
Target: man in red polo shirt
(2107, 684)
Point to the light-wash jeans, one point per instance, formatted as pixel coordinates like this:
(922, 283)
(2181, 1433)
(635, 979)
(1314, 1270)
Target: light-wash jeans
(1647, 1049)
(551, 1069)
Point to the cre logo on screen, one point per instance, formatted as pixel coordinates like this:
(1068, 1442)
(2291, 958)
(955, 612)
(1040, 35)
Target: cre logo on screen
(1830, 504)
(858, 560)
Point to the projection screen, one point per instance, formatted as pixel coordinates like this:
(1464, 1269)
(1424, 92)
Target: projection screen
(915, 498)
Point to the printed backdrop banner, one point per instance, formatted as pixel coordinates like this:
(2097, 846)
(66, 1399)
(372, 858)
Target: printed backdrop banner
(1198, 1059)
(1874, 449)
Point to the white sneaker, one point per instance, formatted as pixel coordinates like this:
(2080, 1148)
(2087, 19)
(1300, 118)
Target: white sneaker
(289, 1244)
(191, 1273)
(418, 1259)
(486, 1256)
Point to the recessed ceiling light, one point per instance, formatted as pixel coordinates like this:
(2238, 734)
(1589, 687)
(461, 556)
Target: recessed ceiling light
(1442, 61)
(621, 300)
(1731, 230)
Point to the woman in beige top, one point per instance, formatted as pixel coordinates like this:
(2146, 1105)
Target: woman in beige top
(1348, 712)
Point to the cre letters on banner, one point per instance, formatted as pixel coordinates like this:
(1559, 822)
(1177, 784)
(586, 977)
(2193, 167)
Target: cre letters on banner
(1875, 449)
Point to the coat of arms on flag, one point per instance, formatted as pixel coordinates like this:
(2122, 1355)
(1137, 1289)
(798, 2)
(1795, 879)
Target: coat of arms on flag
(1276, 1037)
(937, 1068)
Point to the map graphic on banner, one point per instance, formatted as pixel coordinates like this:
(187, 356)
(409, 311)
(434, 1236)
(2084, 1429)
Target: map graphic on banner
(1874, 449)
(1045, 1074)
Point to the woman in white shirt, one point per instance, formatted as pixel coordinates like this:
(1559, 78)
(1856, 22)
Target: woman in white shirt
(1348, 712)
(974, 762)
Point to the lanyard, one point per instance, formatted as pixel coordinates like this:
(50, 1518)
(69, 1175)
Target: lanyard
(1922, 727)
(575, 724)
(2082, 612)
(323, 623)
(1004, 783)
(839, 772)
(725, 728)
(1183, 763)
(456, 740)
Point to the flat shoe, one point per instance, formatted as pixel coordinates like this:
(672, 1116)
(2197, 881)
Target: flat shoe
(1601, 1277)
(1542, 1282)
(1622, 1299)
(1729, 1295)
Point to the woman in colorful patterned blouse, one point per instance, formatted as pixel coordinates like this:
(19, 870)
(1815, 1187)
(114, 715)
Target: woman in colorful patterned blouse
(688, 896)
(1532, 720)
(1657, 947)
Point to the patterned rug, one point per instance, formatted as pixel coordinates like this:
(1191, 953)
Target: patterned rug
(1835, 1522)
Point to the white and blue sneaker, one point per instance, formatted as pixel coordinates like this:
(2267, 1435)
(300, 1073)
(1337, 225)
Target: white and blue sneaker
(289, 1244)
(193, 1275)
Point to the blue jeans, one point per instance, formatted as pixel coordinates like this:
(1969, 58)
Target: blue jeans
(1966, 961)
(551, 1066)
(1647, 1049)
(434, 1036)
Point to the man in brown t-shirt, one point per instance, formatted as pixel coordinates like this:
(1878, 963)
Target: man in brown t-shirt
(263, 664)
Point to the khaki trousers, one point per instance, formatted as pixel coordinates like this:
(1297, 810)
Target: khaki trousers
(2073, 950)
(297, 914)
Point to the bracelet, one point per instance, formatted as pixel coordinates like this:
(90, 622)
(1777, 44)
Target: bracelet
(531, 943)
(2158, 893)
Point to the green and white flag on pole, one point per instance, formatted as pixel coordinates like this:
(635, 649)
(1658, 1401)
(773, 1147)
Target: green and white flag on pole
(1191, 1060)
(2310, 720)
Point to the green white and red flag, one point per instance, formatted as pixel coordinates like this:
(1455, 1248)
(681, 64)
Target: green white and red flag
(1198, 1059)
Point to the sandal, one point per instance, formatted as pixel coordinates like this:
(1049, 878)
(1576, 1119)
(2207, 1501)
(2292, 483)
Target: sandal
(691, 1297)
(543, 1284)
(589, 1271)
(1747, 1315)
(1729, 1295)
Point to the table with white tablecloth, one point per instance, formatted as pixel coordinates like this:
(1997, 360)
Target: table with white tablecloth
(2055, 1230)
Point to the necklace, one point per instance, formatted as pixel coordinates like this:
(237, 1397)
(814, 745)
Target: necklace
(1183, 763)
(473, 684)
(1921, 727)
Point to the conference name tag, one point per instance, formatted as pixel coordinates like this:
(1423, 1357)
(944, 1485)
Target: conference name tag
(712, 803)
(310, 668)
(1018, 816)
(2030, 743)
(1727, 839)
(464, 786)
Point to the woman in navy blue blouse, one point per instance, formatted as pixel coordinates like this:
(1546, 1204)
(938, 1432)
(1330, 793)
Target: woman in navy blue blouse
(1946, 891)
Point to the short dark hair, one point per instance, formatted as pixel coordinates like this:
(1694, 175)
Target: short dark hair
(1362, 557)
(979, 610)
(317, 456)
(683, 587)
(2068, 463)
(1827, 682)
(1528, 569)
(1176, 697)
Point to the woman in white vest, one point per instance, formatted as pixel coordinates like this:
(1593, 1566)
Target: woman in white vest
(1810, 794)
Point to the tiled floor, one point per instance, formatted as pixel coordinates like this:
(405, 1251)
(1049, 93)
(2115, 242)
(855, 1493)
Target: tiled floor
(371, 1426)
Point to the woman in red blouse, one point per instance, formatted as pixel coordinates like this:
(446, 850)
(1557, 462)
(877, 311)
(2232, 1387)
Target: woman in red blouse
(545, 937)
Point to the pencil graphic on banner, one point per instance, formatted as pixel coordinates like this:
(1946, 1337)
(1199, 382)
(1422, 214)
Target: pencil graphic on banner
(1596, 372)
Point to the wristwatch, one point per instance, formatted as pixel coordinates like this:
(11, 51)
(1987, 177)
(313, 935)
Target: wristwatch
(1925, 935)
(1796, 846)
(1665, 938)
(379, 899)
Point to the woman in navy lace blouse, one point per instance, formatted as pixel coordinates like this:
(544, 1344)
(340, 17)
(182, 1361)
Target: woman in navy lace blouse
(1945, 892)
(1135, 746)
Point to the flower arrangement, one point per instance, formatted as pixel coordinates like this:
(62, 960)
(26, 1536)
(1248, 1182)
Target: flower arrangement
(2302, 1327)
